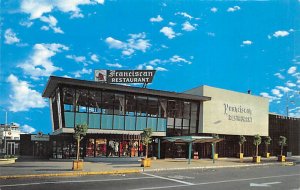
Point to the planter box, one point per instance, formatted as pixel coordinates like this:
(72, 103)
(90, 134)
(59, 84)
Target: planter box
(216, 156)
(281, 158)
(256, 159)
(77, 165)
(240, 155)
(267, 155)
(146, 162)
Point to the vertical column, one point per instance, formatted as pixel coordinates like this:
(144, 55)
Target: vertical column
(158, 151)
(190, 151)
(213, 151)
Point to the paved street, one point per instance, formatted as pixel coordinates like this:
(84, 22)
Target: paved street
(264, 177)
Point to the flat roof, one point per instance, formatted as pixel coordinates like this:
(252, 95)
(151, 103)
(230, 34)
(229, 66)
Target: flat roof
(55, 81)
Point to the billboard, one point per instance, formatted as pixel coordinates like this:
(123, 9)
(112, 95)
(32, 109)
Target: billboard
(124, 76)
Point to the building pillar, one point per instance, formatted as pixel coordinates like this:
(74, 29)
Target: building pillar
(213, 151)
(158, 149)
(190, 152)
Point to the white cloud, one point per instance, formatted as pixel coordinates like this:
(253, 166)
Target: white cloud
(168, 31)
(36, 9)
(290, 84)
(178, 59)
(172, 23)
(149, 67)
(188, 26)
(136, 42)
(10, 37)
(276, 92)
(117, 65)
(233, 9)
(281, 33)
(161, 69)
(115, 44)
(78, 74)
(184, 14)
(94, 58)
(27, 129)
(214, 9)
(78, 59)
(157, 19)
(283, 89)
(39, 64)
(23, 97)
(280, 76)
(247, 42)
(26, 23)
(292, 70)
(52, 21)
(212, 34)
(266, 95)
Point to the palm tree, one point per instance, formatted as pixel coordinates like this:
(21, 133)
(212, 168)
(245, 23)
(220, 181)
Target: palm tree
(257, 142)
(79, 133)
(267, 143)
(282, 143)
(242, 140)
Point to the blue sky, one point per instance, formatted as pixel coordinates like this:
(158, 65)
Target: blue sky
(236, 45)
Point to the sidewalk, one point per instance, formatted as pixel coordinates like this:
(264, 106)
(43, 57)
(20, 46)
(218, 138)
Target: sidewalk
(44, 168)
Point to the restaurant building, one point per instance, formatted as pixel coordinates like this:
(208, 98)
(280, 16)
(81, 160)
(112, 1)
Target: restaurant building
(116, 116)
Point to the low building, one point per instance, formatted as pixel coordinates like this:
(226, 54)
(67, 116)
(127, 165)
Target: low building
(116, 115)
(10, 134)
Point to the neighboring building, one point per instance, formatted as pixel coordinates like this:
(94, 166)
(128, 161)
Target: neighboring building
(117, 114)
(12, 134)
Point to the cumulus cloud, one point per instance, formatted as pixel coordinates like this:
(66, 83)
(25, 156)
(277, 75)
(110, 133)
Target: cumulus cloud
(172, 23)
(184, 14)
(290, 84)
(214, 9)
(156, 19)
(39, 64)
(26, 23)
(247, 42)
(136, 42)
(161, 69)
(94, 58)
(178, 59)
(281, 33)
(151, 67)
(27, 129)
(78, 59)
(52, 22)
(283, 89)
(266, 95)
(22, 97)
(280, 76)
(79, 73)
(276, 92)
(187, 26)
(292, 70)
(36, 9)
(233, 9)
(117, 65)
(169, 32)
(10, 37)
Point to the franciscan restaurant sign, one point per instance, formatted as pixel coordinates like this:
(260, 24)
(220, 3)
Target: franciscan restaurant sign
(124, 76)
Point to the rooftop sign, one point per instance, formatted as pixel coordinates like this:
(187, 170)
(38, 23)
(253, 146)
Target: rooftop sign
(124, 76)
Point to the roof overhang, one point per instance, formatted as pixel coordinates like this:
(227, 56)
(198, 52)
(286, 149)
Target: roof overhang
(55, 81)
(194, 139)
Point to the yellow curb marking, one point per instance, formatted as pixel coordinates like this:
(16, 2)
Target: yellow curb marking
(70, 174)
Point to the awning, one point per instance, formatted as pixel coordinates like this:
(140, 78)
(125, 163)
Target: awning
(194, 139)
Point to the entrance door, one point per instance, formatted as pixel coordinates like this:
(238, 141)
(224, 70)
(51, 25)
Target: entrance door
(11, 148)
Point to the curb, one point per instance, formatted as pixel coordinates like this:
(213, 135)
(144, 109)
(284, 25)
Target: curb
(129, 171)
(69, 174)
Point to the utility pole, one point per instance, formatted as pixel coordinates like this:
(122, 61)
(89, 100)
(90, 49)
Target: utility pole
(5, 125)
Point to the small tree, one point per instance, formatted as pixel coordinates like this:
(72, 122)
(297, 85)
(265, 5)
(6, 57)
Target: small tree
(79, 133)
(242, 140)
(282, 143)
(215, 136)
(257, 142)
(146, 138)
(267, 143)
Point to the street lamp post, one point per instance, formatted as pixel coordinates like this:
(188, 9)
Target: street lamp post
(5, 125)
